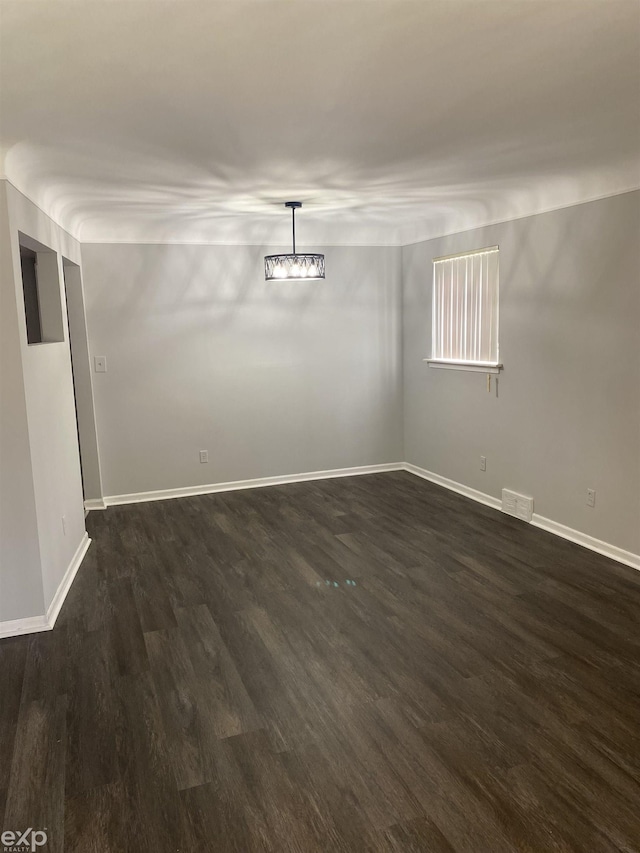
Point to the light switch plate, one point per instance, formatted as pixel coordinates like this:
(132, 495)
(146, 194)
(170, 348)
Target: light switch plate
(100, 363)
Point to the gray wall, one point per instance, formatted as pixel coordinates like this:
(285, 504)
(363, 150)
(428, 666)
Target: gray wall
(21, 593)
(40, 464)
(567, 414)
(271, 379)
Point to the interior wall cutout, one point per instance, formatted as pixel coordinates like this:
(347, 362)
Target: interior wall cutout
(41, 287)
(30, 292)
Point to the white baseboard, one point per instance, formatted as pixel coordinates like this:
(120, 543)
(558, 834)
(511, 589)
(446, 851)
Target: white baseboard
(461, 489)
(28, 625)
(65, 584)
(95, 503)
(33, 624)
(189, 491)
(590, 542)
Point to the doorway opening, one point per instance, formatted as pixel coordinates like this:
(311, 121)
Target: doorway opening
(82, 386)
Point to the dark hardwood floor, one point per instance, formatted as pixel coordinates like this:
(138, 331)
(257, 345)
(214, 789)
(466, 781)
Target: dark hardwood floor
(362, 664)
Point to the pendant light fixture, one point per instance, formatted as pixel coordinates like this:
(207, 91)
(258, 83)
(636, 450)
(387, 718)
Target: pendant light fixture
(295, 265)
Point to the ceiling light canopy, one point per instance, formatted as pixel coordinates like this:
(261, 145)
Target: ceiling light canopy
(294, 265)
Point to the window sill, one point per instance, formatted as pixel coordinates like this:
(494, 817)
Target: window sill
(473, 366)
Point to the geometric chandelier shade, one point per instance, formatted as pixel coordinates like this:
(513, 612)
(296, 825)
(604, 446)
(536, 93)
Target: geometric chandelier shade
(292, 266)
(283, 267)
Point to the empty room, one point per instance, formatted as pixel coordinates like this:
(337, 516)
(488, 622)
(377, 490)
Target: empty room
(320, 426)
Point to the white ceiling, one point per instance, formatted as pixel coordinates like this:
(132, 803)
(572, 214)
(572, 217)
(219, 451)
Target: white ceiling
(392, 121)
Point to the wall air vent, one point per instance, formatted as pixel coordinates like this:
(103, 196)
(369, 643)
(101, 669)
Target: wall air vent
(518, 505)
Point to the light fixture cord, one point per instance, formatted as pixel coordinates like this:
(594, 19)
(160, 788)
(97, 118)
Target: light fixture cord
(293, 227)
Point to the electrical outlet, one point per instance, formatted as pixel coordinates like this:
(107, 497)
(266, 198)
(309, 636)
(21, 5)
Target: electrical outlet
(100, 363)
(591, 497)
(483, 463)
(204, 455)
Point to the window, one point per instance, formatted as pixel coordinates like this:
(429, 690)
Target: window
(465, 311)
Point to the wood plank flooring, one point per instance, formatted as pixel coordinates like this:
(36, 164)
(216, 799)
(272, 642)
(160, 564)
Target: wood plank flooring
(362, 664)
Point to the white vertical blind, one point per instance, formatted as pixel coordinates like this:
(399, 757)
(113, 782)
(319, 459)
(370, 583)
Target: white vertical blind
(465, 307)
